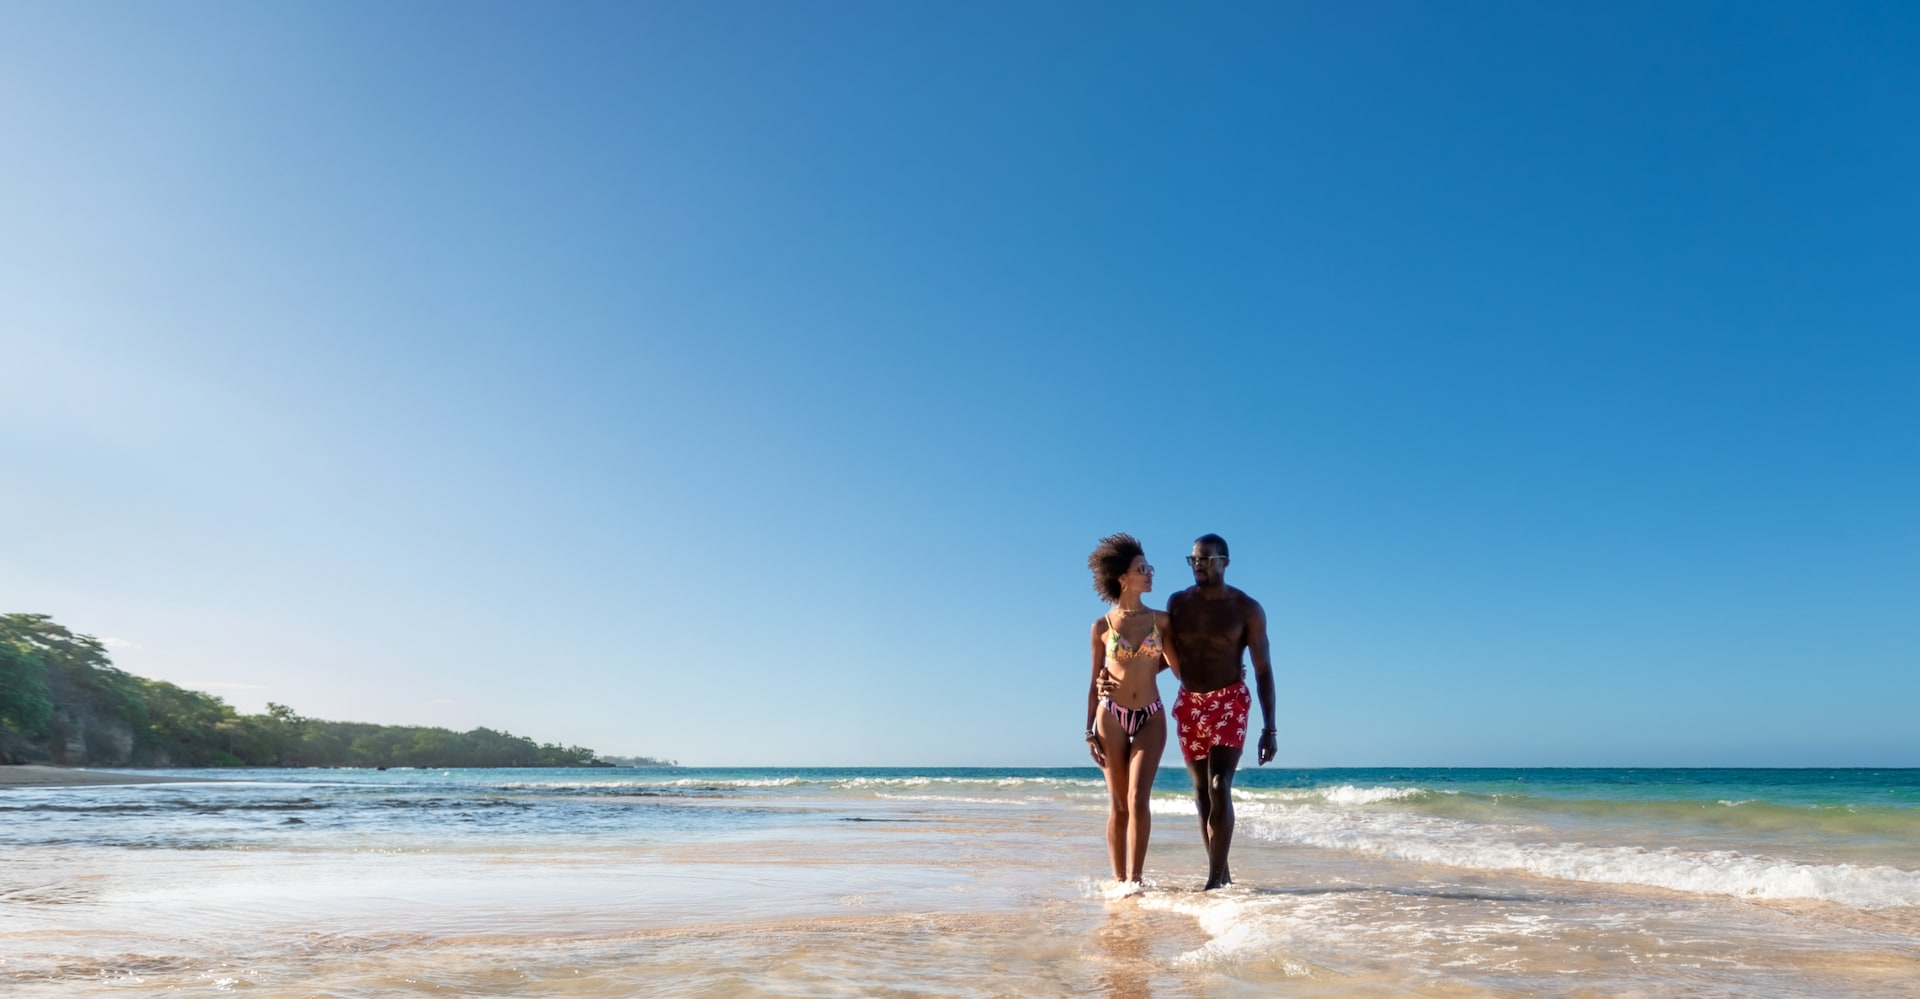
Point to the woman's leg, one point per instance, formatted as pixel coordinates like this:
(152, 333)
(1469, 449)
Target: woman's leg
(1143, 764)
(1113, 743)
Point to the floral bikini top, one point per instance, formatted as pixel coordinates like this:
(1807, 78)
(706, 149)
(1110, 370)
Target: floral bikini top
(1118, 648)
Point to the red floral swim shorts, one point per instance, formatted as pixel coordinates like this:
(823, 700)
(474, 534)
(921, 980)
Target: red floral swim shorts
(1215, 718)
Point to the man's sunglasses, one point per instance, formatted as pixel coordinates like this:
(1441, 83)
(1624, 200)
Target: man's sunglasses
(1195, 560)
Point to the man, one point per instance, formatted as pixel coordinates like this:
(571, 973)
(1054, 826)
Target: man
(1211, 623)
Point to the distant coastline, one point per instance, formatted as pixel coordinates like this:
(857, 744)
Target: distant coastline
(637, 761)
(64, 703)
(41, 775)
(34, 775)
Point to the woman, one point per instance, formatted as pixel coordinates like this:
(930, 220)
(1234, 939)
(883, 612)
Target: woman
(1127, 729)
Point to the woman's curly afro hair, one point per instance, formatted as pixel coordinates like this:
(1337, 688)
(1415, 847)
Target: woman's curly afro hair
(1110, 560)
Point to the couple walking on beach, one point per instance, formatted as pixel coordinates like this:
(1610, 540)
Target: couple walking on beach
(1200, 637)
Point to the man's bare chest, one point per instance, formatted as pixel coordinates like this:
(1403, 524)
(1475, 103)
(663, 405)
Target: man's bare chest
(1221, 626)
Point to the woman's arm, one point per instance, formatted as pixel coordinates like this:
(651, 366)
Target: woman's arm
(1093, 688)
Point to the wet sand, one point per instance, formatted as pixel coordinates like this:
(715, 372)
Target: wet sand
(32, 775)
(976, 885)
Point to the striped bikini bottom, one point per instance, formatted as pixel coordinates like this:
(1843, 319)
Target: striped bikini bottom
(1131, 719)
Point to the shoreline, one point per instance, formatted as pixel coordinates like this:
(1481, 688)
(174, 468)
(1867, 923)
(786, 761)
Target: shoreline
(39, 775)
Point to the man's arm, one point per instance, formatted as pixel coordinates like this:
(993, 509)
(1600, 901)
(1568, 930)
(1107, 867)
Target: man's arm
(1169, 659)
(1262, 678)
(1168, 646)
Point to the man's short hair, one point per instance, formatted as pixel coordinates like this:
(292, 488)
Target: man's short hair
(1215, 540)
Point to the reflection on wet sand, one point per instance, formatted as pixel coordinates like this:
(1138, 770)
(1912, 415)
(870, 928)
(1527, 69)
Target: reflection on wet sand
(1123, 947)
(1142, 952)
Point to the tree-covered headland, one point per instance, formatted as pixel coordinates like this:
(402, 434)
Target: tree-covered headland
(63, 701)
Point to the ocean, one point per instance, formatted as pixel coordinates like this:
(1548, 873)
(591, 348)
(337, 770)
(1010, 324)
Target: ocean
(962, 882)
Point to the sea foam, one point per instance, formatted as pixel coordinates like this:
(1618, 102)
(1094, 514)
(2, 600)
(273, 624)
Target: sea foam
(1449, 842)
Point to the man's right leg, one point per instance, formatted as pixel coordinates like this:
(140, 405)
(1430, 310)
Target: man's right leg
(1184, 718)
(1222, 762)
(1203, 798)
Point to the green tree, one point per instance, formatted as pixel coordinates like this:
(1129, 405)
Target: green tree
(25, 705)
(282, 733)
(57, 687)
(183, 727)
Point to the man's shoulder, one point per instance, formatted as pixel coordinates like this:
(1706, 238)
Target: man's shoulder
(1180, 596)
(1244, 599)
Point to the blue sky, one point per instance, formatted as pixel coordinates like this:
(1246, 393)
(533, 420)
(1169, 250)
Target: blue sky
(746, 383)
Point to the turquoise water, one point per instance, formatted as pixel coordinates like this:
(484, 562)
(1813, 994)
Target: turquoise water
(963, 881)
(1814, 812)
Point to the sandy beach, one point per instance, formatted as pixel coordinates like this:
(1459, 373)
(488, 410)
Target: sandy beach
(32, 775)
(694, 882)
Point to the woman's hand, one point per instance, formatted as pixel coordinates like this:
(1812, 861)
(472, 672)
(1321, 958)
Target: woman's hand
(1097, 686)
